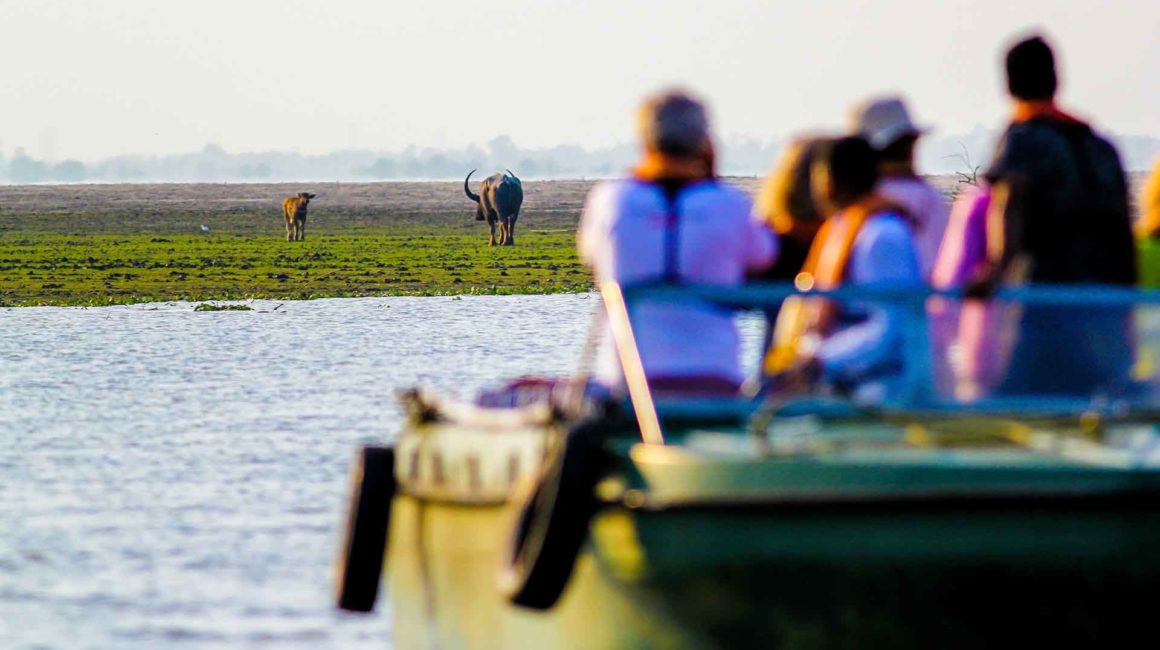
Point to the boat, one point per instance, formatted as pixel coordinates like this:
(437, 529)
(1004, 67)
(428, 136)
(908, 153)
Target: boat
(816, 521)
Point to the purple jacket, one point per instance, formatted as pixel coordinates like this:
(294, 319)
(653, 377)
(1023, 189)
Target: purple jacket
(969, 356)
(964, 246)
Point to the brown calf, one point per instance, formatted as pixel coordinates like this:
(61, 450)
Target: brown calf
(294, 211)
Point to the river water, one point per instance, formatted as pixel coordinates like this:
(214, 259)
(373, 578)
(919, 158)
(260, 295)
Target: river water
(177, 479)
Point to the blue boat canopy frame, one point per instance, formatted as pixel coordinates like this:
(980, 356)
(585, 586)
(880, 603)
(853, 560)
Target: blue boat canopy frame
(1053, 318)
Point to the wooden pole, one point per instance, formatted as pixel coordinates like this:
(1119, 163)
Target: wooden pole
(630, 361)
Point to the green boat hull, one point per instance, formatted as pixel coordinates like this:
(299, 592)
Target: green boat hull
(691, 549)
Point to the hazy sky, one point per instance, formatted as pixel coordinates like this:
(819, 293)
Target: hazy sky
(89, 79)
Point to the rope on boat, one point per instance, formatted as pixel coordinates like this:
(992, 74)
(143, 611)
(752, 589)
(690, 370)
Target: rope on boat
(759, 424)
(591, 343)
(584, 368)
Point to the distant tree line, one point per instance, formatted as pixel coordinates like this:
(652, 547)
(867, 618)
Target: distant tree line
(24, 169)
(739, 156)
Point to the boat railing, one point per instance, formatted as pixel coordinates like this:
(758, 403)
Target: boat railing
(929, 324)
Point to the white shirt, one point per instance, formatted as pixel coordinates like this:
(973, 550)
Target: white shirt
(622, 236)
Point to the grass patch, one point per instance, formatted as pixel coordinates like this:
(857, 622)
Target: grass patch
(206, 306)
(89, 258)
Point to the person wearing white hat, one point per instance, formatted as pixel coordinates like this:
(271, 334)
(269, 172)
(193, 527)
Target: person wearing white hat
(885, 123)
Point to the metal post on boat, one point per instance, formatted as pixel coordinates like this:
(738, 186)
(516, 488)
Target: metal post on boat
(918, 369)
(630, 361)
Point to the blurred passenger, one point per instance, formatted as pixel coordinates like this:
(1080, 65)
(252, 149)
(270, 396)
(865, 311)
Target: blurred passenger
(1148, 257)
(674, 223)
(1148, 231)
(886, 125)
(866, 241)
(1059, 214)
(969, 355)
(962, 255)
(1059, 195)
(785, 202)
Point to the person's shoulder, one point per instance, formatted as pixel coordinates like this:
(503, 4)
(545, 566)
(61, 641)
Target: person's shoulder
(615, 191)
(725, 195)
(887, 242)
(1103, 145)
(1034, 134)
(908, 185)
(890, 222)
(887, 228)
(932, 197)
(613, 187)
(724, 189)
(1028, 148)
(1060, 141)
(927, 186)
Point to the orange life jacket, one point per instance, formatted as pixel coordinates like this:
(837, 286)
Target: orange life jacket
(1025, 111)
(824, 269)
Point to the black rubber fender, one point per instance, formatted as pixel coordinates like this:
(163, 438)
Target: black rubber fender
(552, 524)
(360, 564)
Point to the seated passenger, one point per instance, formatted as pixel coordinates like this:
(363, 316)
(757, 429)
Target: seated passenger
(785, 202)
(962, 255)
(886, 125)
(866, 241)
(674, 223)
(1147, 366)
(1148, 231)
(969, 352)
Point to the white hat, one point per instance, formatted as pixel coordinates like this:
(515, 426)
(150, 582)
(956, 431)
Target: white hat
(884, 120)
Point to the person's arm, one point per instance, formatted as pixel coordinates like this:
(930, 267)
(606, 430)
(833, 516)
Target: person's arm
(964, 245)
(884, 256)
(760, 244)
(1006, 222)
(589, 235)
(1007, 213)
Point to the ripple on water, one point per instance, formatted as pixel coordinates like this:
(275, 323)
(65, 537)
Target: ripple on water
(176, 479)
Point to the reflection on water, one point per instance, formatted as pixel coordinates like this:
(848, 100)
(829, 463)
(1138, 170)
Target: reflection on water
(171, 478)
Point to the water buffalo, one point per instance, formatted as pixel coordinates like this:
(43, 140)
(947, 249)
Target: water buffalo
(294, 211)
(498, 202)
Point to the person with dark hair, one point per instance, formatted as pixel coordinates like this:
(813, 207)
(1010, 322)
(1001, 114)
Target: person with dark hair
(1059, 214)
(886, 124)
(1059, 194)
(673, 222)
(785, 202)
(865, 241)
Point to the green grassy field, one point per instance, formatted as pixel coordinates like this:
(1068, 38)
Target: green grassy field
(59, 253)
(102, 269)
